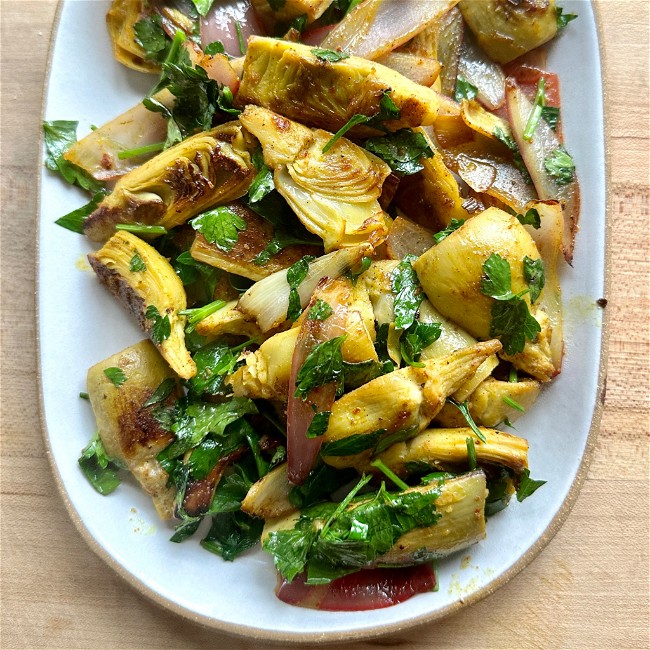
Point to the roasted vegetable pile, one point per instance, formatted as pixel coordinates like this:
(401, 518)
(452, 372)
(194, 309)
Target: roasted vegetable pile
(340, 225)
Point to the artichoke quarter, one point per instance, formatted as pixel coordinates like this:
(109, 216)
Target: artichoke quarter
(128, 430)
(506, 29)
(334, 194)
(451, 273)
(205, 170)
(155, 287)
(290, 79)
(397, 405)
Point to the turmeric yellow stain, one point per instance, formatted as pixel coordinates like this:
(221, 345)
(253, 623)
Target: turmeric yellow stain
(140, 526)
(82, 263)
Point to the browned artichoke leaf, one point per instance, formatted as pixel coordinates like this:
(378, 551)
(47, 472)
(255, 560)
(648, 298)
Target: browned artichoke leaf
(334, 194)
(289, 79)
(245, 257)
(207, 169)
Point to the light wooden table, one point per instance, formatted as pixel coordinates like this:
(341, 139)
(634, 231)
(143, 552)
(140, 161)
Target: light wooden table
(588, 589)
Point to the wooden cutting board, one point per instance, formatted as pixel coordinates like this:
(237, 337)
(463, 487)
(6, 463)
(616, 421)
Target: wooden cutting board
(588, 588)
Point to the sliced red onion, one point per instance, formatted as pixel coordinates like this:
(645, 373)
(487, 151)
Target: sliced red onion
(267, 300)
(302, 451)
(545, 141)
(488, 77)
(376, 27)
(220, 24)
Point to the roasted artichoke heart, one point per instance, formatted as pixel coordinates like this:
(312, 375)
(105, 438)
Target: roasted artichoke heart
(153, 295)
(488, 404)
(120, 19)
(335, 194)
(396, 406)
(291, 80)
(251, 242)
(506, 29)
(207, 169)
(460, 503)
(440, 448)
(129, 432)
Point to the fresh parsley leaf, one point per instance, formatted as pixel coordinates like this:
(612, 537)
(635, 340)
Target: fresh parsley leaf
(150, 35)
(511, 320)
(296, 274)
(415, 339)
(115, 375)
(281, 240)
(513, 323)
(161, 393)
(137, 265)
(534, 275)
(213, 362)
(323, 365)
(59, 136)
(563, 19)
(402, 150)
(330, 56)
(263, 182)
(536, 112)
(527, 485)
(464, 89)
(200, 419)
(496, 281)
(454, 224)
(551, 115)
(289, 549)
(203, 6)
(220, 226)
(320, 311)
(388, 110)
(319, 424)
(408, 293)
(358, 374)
(531, 218)
(216, 47)
(464, 409)
(471, 453)
(75, 220)
(160, 326)
(559, 165)
(197, 274)
(352, 445)
(354, 273)
(98, 468)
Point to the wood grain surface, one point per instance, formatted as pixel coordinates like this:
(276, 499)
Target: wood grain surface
(587, 589)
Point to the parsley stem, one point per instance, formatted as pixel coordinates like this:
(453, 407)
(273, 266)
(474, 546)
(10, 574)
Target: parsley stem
(513, 404)
(364, 480)
(179, 38)
(240, 37)
(464, 409)
(200, 313)
(379, 464)
(140, 229)
(84, 396)
(536, 113)
(512, 376)
(141, 151)
(352, 122)
(471, 453)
